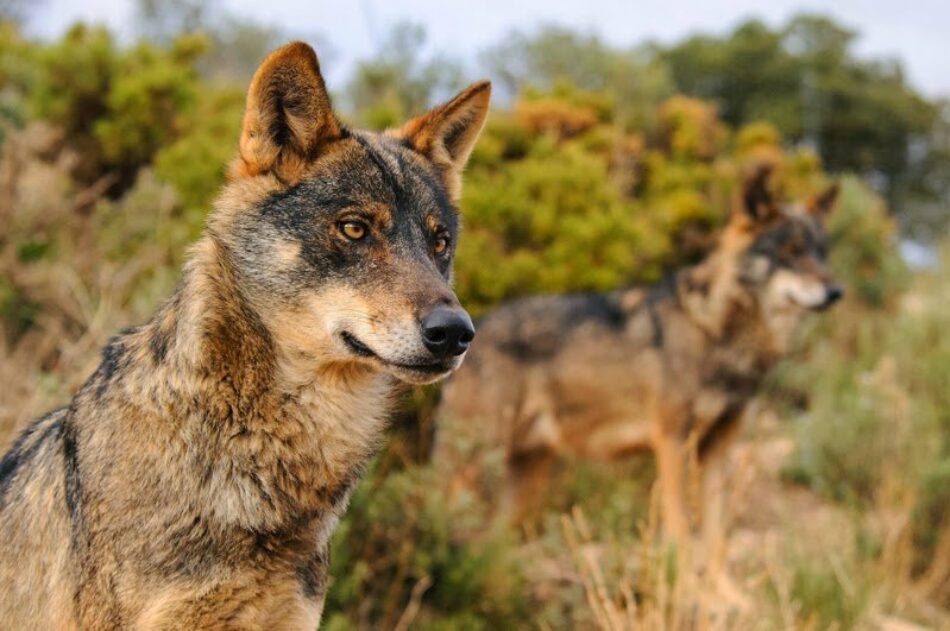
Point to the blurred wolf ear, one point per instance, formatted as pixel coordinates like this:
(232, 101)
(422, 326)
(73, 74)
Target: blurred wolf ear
(820, 205)
(757, 200)
(447, 134)
(288, 115)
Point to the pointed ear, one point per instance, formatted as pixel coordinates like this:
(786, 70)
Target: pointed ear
(288, 115)
(447, 134)
(820, 205)
(757, 200)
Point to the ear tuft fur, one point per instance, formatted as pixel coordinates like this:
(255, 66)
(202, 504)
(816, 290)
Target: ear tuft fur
(447, 134)
(288, 115)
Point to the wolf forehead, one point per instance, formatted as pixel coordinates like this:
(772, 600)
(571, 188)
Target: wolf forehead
(378, 178)
(795, 234)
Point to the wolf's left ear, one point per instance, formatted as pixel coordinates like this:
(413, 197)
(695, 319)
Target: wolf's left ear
(288, 115)
(757, 199)
(447, 134)
(820, 205)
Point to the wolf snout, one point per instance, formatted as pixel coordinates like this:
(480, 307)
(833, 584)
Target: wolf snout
(447, 332)
(833, 293)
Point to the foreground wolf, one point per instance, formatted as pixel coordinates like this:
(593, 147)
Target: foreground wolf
(194, 480)
(598, 376)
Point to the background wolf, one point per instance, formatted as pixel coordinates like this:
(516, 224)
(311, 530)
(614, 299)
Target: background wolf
(194, 480)
(598, 376)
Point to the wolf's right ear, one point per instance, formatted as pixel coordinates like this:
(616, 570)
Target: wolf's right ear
(447, 134)
(757, 200)
(288, 115)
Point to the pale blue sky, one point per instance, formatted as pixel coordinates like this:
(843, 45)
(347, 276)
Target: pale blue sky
(915, 31)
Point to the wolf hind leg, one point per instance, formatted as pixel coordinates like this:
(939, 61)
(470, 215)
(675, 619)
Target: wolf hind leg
(718, 473)
(526, 487)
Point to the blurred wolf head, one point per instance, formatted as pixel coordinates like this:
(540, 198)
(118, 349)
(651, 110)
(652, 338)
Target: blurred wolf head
(770, 262)
(343, 240)
(785, 261)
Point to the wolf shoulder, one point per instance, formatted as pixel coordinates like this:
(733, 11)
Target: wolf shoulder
(34, 571)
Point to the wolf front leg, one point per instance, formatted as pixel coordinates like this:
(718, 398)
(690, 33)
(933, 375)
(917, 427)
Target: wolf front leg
(716, 471)
(671, 454)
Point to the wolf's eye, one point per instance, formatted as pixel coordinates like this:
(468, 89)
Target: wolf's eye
(353, 230)
(441, 245)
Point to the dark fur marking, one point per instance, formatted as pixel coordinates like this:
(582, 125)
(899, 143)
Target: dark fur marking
(162, 338)
(656, 341)
(20, 454)
(666, 289)
(558, 314)
(388, 176)
(335, 494)
(312, 574)
(73, 483)
(113, 360)
(159, 342)
(724, 422)
(190, 550)
(789, 242)
(441, 199)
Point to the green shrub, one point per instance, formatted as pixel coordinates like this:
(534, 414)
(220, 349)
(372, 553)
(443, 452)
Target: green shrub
(117, 107)
(400, 530)
(823, 598)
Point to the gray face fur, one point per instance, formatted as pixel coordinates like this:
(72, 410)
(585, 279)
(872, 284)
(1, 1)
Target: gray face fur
(786, 263)
(368, 295)
(342, 241)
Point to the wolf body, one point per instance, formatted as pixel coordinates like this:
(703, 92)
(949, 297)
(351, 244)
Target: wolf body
(668, 368)
(195, 479)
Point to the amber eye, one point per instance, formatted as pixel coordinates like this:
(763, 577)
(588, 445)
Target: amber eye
(441, 245)
(353, 230)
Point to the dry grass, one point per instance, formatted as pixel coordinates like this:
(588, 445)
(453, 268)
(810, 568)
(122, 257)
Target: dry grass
(777, 539)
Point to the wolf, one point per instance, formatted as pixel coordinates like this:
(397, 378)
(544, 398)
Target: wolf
(193, 482)
(668, 368)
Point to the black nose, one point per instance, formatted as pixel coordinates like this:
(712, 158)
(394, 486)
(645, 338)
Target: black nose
(833, 294)
(447, 332)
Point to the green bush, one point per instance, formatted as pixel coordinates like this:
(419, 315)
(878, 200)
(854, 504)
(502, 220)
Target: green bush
(117, 107)
(822, 598)
(400, 530)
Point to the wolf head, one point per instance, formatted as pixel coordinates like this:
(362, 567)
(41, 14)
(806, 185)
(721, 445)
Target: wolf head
(343, 240)
(768, 269)
(784, 259)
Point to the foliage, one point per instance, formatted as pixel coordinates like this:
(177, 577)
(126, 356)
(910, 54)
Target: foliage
(195, 162)
(805, 78)
(116, 107)
(401, 532)
(235, 45)
(631, 78)
(879, 410)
